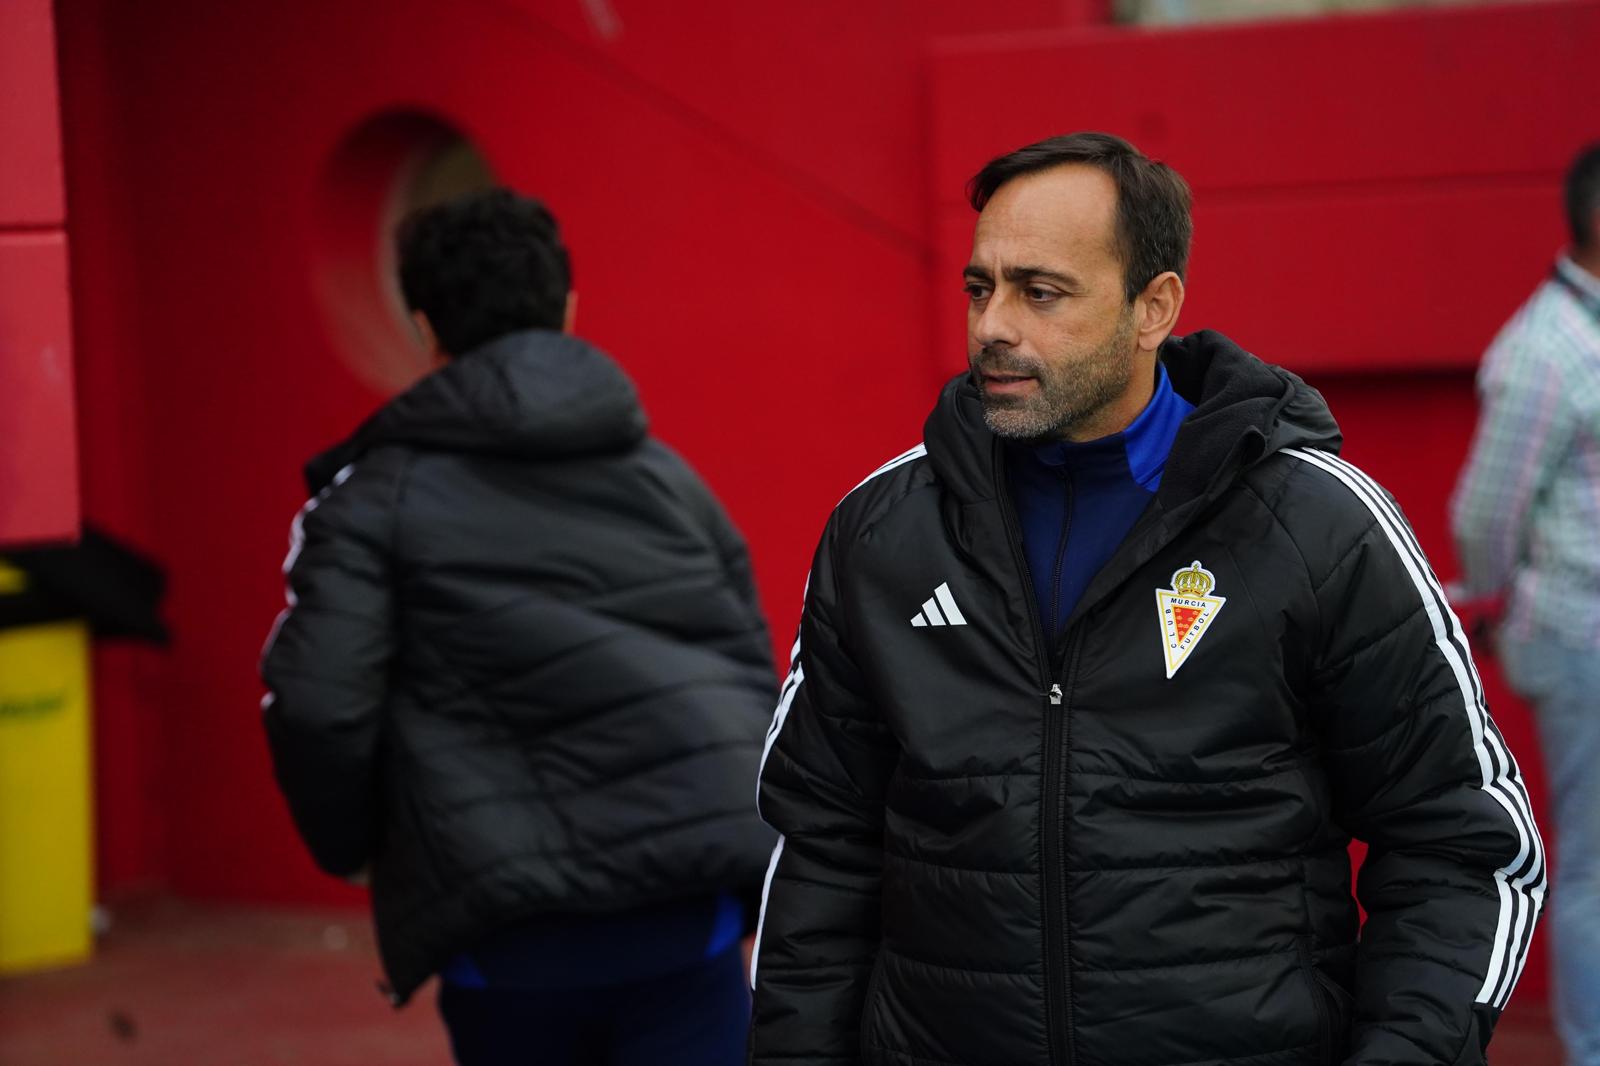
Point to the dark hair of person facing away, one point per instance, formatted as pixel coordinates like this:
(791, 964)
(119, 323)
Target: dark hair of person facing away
(484, 265)
(1153, 225)
(1583, 197)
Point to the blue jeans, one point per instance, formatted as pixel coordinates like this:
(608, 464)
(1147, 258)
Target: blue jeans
(1563, 686)
(699, 1016)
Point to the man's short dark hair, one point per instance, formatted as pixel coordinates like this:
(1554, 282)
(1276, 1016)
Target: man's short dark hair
(1583, 197)
(1153, 227)
(484, 265)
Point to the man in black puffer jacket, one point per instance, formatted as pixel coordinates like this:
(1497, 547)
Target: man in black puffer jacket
(1094, 687)
(523, 678)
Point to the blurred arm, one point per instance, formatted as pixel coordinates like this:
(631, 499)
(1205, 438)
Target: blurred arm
(1522, 427)
(326, 667)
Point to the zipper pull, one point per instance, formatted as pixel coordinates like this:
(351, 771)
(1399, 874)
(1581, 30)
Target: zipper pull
(1055, 695)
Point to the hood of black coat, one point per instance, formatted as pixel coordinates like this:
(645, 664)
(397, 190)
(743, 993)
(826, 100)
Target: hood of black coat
(1245, 410)
(530, 394)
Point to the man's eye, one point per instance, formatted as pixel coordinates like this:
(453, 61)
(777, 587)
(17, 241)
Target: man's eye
(975, 291)
(1041, 296)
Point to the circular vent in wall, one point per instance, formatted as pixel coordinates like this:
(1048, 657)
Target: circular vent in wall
(386, 168)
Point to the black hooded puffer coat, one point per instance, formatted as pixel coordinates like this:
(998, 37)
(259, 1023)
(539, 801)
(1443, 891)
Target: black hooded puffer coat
(995, 853)
(523, 670)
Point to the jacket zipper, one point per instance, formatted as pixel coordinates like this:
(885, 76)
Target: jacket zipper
(1058, 977)
(1068, 490)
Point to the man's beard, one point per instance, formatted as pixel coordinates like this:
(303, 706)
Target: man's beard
(1068, 393)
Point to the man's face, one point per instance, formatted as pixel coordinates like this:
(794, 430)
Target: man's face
(1050, 336)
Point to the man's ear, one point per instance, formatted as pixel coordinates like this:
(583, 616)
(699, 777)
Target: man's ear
(1156, 310)
(570, 315)
(425, 334)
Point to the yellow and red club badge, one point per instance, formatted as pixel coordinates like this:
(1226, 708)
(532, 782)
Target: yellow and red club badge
(1187, 610)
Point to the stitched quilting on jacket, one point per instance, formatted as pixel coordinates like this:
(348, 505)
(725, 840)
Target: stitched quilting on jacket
(1129, 849)
(523, 670)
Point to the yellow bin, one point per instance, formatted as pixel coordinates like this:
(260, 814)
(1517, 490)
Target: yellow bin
(46, 850)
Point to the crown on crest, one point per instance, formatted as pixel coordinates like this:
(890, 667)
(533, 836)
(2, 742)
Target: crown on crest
(1195, 581)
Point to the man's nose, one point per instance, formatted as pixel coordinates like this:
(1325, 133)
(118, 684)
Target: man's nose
(994, 323)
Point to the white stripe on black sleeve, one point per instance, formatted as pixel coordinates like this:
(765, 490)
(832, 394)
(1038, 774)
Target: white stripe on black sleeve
(786, 696)
(297, 543)
(907, 456)
(761, 923)
(1523, 887)
(797, 673)
(1520, 884)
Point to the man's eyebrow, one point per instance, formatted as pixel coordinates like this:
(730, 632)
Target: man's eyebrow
(1020, 274)
(974, 271)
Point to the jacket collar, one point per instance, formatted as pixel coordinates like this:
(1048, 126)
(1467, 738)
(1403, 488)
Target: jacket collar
(1245, 410)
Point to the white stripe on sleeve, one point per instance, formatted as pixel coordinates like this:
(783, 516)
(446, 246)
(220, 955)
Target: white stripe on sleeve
(1520, 884)
(761, 923)
(297, 543)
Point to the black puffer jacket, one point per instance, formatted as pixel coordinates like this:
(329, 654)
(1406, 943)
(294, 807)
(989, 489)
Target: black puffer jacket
(995, 854)
(523, 670)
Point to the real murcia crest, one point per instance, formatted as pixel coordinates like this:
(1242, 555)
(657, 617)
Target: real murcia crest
(1187, 610)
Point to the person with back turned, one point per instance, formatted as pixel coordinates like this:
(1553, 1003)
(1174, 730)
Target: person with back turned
(523, 679)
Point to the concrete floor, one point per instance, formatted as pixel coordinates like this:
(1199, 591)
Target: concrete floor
(175, 984)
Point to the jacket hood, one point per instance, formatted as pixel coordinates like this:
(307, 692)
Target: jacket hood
(1245, 410)
(532, 394)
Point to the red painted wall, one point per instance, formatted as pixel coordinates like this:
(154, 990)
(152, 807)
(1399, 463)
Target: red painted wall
(743, 188)
(1371, 192)
(38, 463)
(764, 208)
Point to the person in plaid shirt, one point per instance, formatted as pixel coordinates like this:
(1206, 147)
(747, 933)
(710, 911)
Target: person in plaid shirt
(1526, 516)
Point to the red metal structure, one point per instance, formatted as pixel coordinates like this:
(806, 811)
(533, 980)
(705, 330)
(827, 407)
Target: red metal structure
(764, 206)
